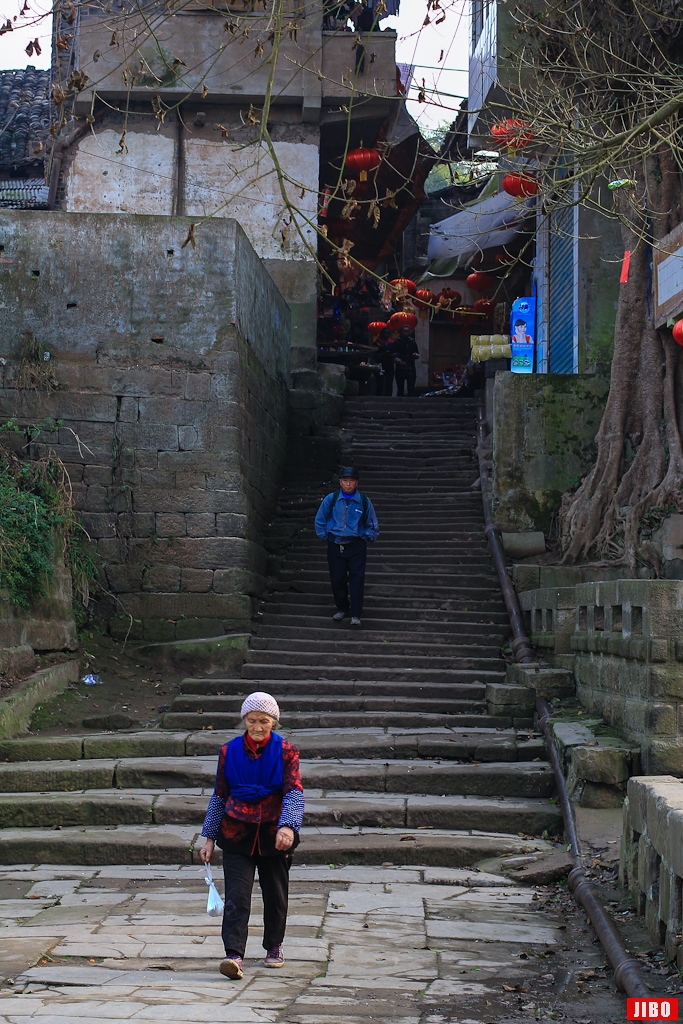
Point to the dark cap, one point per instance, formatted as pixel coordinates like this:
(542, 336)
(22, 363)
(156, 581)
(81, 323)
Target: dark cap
(348, 471)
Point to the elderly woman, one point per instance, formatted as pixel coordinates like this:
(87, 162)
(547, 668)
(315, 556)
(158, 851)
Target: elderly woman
(255, 817)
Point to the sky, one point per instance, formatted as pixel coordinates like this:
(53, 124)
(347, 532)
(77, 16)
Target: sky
(417, 44)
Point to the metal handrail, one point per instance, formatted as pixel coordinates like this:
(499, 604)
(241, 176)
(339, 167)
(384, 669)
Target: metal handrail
(627, 974)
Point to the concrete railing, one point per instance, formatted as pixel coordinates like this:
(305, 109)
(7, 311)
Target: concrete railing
(651, 862)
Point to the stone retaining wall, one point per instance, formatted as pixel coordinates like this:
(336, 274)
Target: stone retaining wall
(651, 862)
(544, 428)
(623, 640)
(48, 625)
(171, 358)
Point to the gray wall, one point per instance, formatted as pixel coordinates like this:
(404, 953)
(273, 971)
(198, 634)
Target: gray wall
(544, 428)
(174, 446)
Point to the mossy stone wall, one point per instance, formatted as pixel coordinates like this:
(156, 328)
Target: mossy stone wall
(544, 428)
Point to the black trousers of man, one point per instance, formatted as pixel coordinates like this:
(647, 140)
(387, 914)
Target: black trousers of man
(273, 876)
(405, 375)
(346, 563)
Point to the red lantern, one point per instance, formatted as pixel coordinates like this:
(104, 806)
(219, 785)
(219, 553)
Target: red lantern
(486, 306)
(376, 327)
(405, 284)
(402, 319)
(423, 298)
(520, 186)
(678, 332)
(362, 160)
(504, 259)
(479, 282)
(513, 132)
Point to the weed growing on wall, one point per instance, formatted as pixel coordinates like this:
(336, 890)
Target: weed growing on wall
(36, 515)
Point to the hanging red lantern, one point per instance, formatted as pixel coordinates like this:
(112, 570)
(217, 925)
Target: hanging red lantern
(402, 319)
(486, 306)
(451, 295)
(504, 259)
(423, 298)
(362, 160)
(678, 332)
(521, 186)
(479, 282)
(513, 132)
(404, 284)
(376, 327)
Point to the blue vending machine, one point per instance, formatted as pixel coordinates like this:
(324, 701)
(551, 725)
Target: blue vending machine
(522, 331)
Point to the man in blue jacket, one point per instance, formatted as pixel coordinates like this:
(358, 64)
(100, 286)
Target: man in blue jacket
(347, 520)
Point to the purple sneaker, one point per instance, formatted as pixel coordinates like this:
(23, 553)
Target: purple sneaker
(232, 966)
(275, 957)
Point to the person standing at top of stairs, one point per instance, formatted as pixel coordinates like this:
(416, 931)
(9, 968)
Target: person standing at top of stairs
(346, 520)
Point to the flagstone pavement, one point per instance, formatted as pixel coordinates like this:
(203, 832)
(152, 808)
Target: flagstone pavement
(398, 944)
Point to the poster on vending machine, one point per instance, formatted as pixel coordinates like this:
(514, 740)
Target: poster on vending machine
(522, 330)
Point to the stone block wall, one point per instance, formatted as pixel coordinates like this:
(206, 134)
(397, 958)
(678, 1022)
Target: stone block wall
(651, 860)
(48, 625)
(172, 362)
(623, 640)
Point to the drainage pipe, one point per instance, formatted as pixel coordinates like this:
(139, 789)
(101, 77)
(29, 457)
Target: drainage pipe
(627, 974)
(521, 645)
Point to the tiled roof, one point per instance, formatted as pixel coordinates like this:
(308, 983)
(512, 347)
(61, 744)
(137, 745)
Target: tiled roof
(24, 194)
(25, 116)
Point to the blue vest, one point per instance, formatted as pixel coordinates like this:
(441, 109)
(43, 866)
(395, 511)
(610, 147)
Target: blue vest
(252, 780)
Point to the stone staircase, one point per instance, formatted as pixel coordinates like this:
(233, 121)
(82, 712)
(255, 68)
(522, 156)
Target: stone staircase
(414, 750)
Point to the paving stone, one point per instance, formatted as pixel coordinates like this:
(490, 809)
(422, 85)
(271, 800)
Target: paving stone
(498, 931)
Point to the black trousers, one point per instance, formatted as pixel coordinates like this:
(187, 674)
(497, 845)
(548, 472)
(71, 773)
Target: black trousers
(388, 380)
(273, 876)
(347, 574)
(405, 375)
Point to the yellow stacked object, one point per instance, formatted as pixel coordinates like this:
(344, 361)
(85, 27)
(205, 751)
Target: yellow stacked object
(490, 346)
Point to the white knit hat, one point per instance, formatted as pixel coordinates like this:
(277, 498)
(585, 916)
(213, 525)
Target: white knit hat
(260, 701)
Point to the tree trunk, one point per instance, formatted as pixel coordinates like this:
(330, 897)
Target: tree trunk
(639, 464)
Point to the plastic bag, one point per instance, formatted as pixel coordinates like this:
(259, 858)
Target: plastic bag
(214, 903)
(91, 680)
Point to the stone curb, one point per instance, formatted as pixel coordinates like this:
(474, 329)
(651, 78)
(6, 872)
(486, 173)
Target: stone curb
(16, 709)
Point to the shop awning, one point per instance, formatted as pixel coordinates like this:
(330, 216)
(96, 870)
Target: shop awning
(495, 221)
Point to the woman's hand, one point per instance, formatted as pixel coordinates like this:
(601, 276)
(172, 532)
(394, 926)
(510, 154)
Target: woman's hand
(206, 852)
(284, 838)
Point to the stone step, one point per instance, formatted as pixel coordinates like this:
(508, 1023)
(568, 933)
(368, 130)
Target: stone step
(277, 612)
(414, 648)
(276, 673)
(416, 633)
(451, 560)
(464, 699)
(382, 574)
(323, 808)
(353, 719)
(117, 777)
(401, 590)
(304, 689)
(401, 606)
(468, 540)
(477, 744)
(302, 655)
(178, 844)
